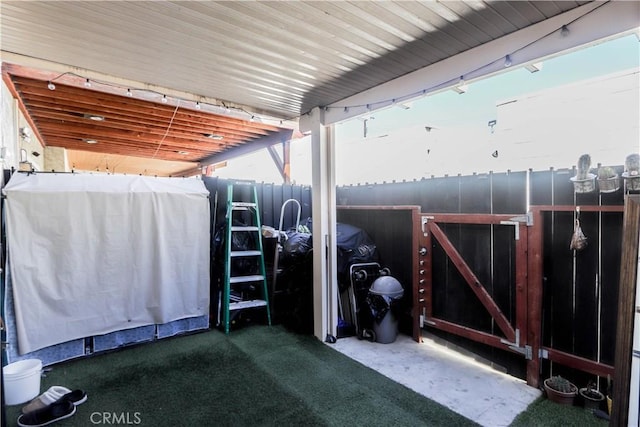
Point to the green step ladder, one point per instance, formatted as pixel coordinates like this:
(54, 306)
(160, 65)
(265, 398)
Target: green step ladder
(248, 290)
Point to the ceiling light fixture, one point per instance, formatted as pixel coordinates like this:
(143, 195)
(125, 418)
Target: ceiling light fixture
(129, 93)
(164, 99)
(90, 141)
(198, 105)
(87, 83)
(51, 86)
(94, 117)
(213, 136)
(564, 31)
(183, 153)
(507, 61)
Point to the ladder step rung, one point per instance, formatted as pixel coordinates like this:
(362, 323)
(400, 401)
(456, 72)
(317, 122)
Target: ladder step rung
(244, 279)
(243, 204)
(242, 182)
(244, 228)
(247, 304)
(245, 253)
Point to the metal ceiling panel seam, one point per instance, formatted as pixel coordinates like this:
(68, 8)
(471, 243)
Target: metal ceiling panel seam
(318, 51)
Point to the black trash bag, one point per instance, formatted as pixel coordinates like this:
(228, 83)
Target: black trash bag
(354, 246)
(239, 242)
(297, 244)
(294, 301)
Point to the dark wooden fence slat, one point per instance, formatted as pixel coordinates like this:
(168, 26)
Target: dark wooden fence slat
(585, 288)
(541, 188)
(609, 279)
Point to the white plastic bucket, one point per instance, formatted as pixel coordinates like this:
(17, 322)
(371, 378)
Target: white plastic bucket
(21, 381)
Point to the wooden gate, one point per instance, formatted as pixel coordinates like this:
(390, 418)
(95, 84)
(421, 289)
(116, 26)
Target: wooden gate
(480, 259)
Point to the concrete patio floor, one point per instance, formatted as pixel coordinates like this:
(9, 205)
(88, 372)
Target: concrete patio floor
(462, 384)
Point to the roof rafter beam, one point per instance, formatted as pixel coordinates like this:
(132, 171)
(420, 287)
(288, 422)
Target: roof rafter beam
(258, 144)
(283, 164)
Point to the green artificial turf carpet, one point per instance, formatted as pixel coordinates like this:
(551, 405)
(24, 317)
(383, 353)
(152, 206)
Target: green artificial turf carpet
(256, 376)
(545, 413)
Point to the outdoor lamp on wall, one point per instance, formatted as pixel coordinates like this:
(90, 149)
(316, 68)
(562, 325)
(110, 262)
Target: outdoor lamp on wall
(25, 134)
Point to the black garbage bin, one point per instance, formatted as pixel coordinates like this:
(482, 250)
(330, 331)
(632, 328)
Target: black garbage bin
(384, 293)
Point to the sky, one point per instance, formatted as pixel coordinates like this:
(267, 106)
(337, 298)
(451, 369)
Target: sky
(399, 145)
(477, 105)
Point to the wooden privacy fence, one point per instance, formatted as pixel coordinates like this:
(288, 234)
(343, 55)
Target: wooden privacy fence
(529, 298)
(499, 277)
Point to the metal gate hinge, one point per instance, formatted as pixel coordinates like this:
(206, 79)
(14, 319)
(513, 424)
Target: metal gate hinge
(526, 218)
(527, 351)
(423, 221)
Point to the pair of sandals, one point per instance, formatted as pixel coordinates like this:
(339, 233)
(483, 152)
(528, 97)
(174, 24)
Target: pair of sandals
(57, 403)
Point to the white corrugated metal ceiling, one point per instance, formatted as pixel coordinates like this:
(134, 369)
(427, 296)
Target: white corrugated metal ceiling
(280, 58)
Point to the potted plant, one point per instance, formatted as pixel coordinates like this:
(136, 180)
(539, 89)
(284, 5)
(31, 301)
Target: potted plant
(608, 181)
(591, 396)
(584, 182)
(560, 390)
(631, 174)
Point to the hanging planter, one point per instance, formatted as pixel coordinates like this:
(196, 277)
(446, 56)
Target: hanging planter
(585, 185)
(631, 174)
(584, 182)
(632, 183)
(608, 180)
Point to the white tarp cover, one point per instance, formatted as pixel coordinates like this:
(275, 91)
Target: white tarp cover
(94, 254)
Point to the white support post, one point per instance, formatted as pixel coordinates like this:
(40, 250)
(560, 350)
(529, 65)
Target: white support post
(325, 282)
